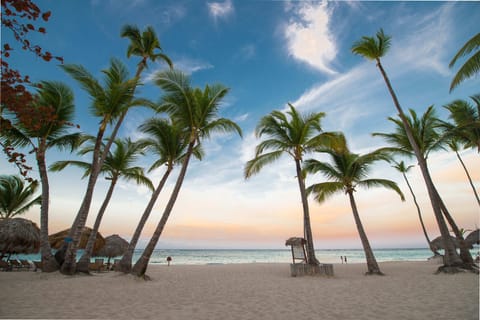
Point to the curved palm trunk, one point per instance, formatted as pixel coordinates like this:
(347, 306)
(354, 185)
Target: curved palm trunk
(125, 265)
(435, 252)
(468, 176)
(70, 247)
(141, 265)
(451, 259)
(372, 264)
(48, 261)
(311, 259)
(83, 263)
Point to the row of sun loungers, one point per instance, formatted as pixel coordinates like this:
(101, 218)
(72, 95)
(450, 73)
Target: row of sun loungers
(14, 264)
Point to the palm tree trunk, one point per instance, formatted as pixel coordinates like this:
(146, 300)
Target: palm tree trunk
(83, 263)
(468, 176)
(435, 252)
(372, 264)
(451, 259)
(141, 265)
(69, 264)
(125, 265)
(48, 261)
(311, 259)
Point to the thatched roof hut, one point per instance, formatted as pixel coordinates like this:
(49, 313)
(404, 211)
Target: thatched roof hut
(473, 237)
(18, 235)
(295, 241)
(114, 246)
(437, 243)
(57, 239)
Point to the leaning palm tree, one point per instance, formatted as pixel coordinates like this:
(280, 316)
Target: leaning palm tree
(403, 169)
(295, 135)
(427, 137)
(117, 165)
(347, 172)
(167, 142)
(471, 66)
(17, 198)
(109, 102)
(51, 114)
(374, 48)
(195, 111)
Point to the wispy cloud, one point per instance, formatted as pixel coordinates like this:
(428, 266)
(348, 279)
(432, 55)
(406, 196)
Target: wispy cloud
(309, 38)
(186, 65)
(220, 10)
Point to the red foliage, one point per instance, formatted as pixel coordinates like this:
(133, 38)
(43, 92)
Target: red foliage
(19, 16)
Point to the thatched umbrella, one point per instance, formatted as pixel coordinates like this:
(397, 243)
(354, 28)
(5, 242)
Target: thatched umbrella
(437, 243)
(18, 235)
(295, 241)
(473, 237)
(57, 239)
(114, 246)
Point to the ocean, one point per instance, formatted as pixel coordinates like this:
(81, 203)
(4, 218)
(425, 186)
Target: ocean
(228, 256)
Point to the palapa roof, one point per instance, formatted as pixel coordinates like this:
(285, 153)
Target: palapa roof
(57, 239)
(18, 235)
(437, 243)
(295, 241)
(114, 246)
(473, 237)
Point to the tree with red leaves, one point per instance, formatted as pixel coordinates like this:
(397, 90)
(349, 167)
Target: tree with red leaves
(19, 17)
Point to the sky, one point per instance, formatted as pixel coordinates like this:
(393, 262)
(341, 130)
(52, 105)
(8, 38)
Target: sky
(269, 53)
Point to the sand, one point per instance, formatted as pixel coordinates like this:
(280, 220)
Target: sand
(410, 290)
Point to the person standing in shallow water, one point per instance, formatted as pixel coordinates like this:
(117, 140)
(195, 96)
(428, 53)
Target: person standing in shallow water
(341, 258)
(169, 259)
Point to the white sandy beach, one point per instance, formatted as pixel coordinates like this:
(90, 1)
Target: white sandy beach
(410, 290)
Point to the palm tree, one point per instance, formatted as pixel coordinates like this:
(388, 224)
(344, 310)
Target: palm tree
(346, 172)
(118, 164)
(15, 197)
(108, 103)
(374, 48)
(195, 111)
(466, 122)
(53, 111)
(471, 66)
(427, 137)
(403, 169)
(167, 142)
(297, 136)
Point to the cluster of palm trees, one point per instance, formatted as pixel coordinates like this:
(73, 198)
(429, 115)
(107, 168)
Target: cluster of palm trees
(186, 116)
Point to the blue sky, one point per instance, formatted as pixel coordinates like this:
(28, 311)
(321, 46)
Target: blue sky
(269, 53)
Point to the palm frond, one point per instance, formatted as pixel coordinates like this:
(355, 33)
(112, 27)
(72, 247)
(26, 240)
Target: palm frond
(255, 165)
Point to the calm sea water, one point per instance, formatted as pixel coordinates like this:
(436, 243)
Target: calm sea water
(228, 256)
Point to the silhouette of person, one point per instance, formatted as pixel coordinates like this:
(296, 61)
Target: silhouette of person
(341, 258)
(169, 259)
(345, 258)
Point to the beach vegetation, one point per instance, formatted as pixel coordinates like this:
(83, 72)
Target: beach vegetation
(471, 66)
(295, 135)
(345, 172)
(374, 48)
(17, 197)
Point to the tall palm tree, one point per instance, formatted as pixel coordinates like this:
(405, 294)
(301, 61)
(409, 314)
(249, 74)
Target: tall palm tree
(109, 102)
(471, 66)
(15, 197)
(56, 100)
(196, 112)
(347, 172)
(374, 48)
(427, 137)
(117, 165)
(167, 142)
(293, 134)
(403, 169)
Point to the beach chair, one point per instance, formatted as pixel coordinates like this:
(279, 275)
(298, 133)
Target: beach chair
(5, 266)
(25, 264)
(116, 262)
(38, 265)
(15, 264)
(97, 266)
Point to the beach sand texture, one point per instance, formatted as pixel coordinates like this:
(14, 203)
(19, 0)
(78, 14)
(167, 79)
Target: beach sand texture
(410, 290)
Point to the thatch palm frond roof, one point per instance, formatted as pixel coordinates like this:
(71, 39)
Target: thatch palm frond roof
(18, 235)
(57, 239)
(114, 246)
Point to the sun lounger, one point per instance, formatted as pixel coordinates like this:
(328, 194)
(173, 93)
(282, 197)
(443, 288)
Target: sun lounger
(38, 265)
(25, 264)
(5, 266)
(97, 266)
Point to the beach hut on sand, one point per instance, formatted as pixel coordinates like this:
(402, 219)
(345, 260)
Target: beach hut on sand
(300, 265)
(18, 235)
(57, 239)
(473, 238)
(115, 246)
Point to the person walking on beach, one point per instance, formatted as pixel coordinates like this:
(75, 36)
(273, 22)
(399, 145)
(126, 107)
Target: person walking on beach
(169, 259)
(345, 258)
(341, 258)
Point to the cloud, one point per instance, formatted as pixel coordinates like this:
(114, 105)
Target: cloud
(309, 38)
(220, 10)
(186, 65)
